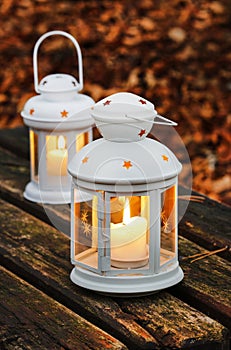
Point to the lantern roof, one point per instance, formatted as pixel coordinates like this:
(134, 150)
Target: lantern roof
(59, 105)
(107, 162)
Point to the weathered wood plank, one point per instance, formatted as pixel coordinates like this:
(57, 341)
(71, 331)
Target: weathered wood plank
(207, 282)
(40, 254)
(16, 140)
(207, 223)
(190, 329)
(29, 319)
(14, 175)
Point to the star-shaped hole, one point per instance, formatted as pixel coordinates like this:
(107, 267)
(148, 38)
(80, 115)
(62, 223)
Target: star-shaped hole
(143, 102)
(165, 158)
(64, 114)
(142, 132)
(107, 103)
(85, 160)
(127, 164)
(31, 111)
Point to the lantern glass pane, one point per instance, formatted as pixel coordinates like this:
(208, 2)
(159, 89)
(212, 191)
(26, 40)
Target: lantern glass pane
(82, 140)
(85, 229)
(34, 155)
(168, 225)
(129, 231)
(56, 155)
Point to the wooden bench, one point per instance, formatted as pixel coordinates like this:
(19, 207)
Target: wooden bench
(42, 309)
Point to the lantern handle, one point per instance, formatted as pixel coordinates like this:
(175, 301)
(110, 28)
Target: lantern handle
(164, 122)
(35, 54)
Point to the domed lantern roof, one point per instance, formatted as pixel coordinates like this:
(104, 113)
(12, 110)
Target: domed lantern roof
(124, 155)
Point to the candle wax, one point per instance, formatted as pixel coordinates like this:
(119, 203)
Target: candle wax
(128, 241)
(57, 162)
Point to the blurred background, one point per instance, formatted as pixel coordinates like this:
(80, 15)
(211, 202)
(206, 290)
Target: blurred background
(176, 54)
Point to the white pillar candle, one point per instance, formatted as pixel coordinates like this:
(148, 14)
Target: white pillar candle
(128, 240)
(57, 159)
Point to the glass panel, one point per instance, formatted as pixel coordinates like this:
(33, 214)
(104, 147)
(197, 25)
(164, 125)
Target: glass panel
(129, 231)
(168, 225)
(81, 141)
(85, 228)
(56, 155)
(34, 155)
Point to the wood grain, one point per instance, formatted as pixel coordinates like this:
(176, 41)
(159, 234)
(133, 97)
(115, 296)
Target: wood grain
(40, 255)
(29, 319)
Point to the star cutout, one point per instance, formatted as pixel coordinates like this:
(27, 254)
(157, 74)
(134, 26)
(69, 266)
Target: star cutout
(143, 102)
(85, 160)
(127, 164)
(31, 111)
(142, 132)
(74, 83)
(165, 158)
(64, 114)
(107, 103)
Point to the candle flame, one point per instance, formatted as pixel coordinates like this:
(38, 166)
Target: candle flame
(61, 142)
(126, 214)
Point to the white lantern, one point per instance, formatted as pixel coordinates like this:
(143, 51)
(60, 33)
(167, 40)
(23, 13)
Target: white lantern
(56, 133)
(124, 203)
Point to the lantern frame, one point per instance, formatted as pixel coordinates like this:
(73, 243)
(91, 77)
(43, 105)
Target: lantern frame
(107, 279)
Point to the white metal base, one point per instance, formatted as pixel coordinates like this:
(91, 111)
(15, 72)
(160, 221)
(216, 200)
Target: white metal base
(34, 194)
(127, 285)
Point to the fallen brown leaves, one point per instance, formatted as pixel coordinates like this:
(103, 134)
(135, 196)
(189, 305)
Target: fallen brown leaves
(174, 53)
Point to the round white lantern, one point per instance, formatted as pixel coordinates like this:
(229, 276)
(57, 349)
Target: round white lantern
(124, 203)
(56, 132)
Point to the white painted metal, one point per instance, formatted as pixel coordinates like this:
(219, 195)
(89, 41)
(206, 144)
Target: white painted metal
(58, 108)
(127, 165)
(127, 285)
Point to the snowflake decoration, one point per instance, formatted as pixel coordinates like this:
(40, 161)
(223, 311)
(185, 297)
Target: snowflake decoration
(165, 223)
(86, 228)
(84, 216)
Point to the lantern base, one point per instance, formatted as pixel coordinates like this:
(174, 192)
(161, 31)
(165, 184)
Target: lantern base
(127, 285)
(34, 194)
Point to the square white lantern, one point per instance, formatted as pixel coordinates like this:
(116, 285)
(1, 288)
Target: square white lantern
(124, 203)
(57, 129)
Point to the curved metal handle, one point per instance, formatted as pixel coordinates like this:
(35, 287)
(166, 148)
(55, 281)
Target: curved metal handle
(164, 122)
(35, 54)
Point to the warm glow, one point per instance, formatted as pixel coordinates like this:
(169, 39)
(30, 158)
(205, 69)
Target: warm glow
(126, 214)
(61, 142)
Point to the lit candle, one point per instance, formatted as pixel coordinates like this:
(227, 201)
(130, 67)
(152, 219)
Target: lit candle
(128, 241)
(57, 159)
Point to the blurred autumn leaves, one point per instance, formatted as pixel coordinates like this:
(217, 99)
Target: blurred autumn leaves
(174, 53)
